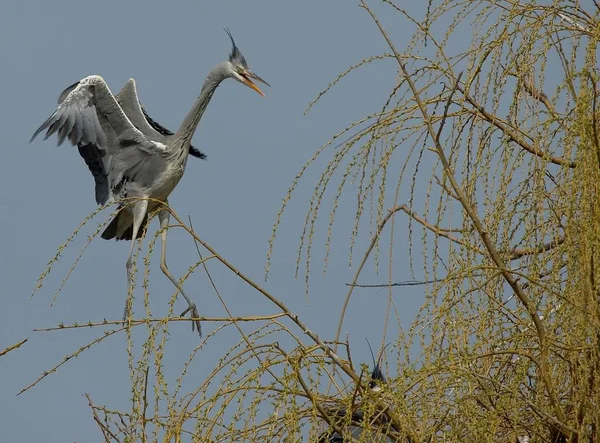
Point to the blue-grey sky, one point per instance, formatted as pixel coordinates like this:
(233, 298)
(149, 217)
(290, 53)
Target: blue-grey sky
(255, 147)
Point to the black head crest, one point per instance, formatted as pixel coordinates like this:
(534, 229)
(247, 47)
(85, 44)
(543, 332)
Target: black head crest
(376, 375)
(236, 56)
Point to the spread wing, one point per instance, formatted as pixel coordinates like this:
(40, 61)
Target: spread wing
(130, 104)
(89, 113)
(90, 117)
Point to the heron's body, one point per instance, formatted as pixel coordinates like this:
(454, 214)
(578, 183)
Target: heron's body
(153, 179)
(358, 429)
(129, 159)
(135, 161)
(106, 172)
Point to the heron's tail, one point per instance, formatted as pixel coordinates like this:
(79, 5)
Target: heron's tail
(121, 227)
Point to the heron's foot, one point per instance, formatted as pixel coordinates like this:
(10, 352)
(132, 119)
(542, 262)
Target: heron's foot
(127, 311)
(195, 316)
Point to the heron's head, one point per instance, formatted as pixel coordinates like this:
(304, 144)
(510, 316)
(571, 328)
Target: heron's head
(377, 378)
(239, 69)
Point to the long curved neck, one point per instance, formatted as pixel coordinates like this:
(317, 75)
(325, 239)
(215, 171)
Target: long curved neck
(183, 137)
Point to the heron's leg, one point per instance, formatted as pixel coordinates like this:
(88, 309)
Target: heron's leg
(164, 217)
(138, 211)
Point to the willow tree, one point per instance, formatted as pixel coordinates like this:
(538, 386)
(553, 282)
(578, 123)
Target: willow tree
(510, 224)
(494, 119)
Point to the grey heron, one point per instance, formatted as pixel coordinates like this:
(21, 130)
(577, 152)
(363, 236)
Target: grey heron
(357, 420)
(91, 153)
(135, 161)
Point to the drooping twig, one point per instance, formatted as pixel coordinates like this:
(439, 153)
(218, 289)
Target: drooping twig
(476, 221)
(512, 135)
(595, 137)
(105, 429)
(437, 230)
(360, 267)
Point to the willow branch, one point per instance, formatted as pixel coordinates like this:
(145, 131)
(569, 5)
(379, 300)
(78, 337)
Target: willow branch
(437, 230)
(72, 356)
(145, 321)
(521, 252)
(400, 283)
(538, 94)
(289, 314)
(512, 135)
(324, 415)
(595, 118)
(105, 430)
(235, 323)
(294, 317)
(360, 267)
(12, 347)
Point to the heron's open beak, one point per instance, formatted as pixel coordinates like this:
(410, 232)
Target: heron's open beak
(249, 76)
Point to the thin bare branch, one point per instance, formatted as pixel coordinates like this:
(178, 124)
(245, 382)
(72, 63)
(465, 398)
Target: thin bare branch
(401, 283)
(105, 429)
(12, 347)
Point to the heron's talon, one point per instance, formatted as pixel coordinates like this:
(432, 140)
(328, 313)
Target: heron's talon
(126, 312)
(185, 312)
(193, 314)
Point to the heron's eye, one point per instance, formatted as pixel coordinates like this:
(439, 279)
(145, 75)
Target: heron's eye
(240, 70)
